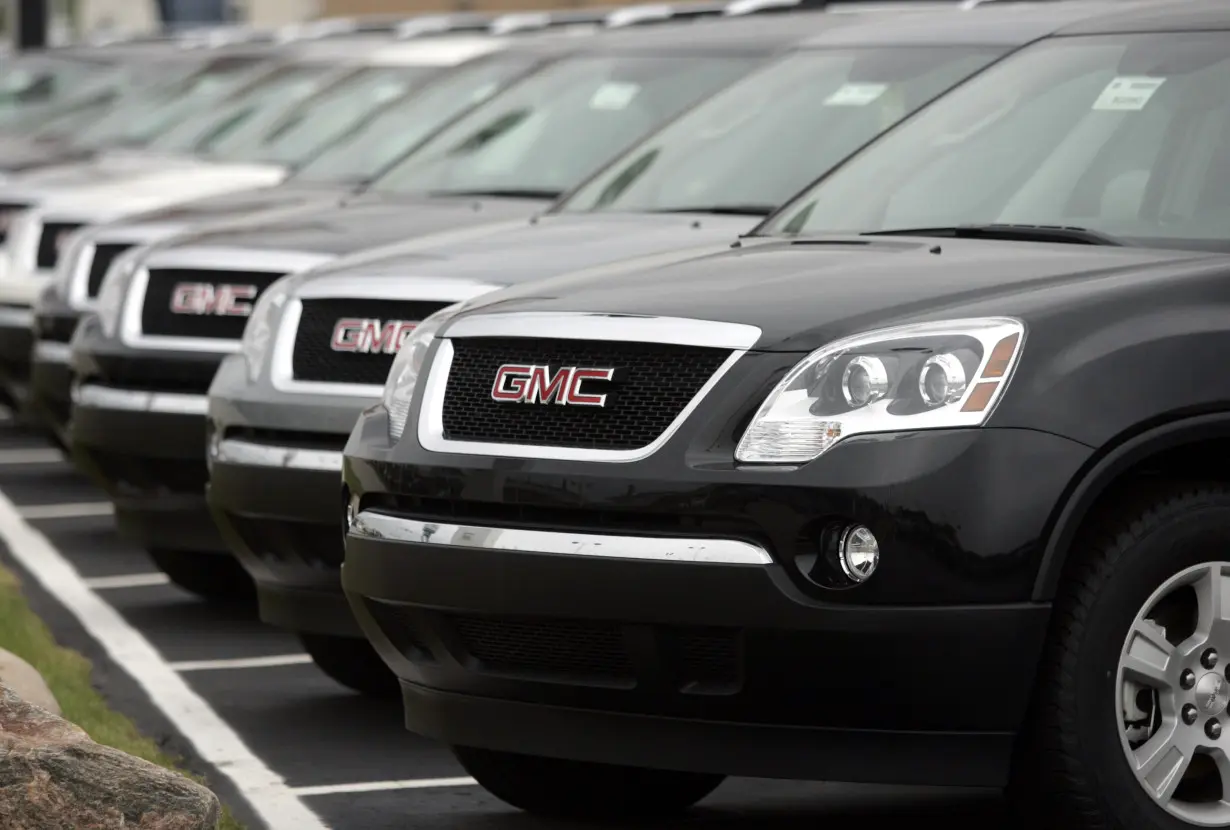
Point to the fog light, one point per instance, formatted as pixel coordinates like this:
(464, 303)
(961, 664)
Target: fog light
(859, 553)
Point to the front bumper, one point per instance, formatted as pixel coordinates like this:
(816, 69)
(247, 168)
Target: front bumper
(558, 608)
(147, 450)
(16, 340)
(50, 385)
(274, 489)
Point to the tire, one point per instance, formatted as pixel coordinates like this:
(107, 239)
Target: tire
(1071, 768)
(216, 577)
(353, 663)
(577, 790)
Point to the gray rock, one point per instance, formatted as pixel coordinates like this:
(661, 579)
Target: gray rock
(25, 680)
(53, 777)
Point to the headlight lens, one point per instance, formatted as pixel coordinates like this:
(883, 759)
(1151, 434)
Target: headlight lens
(114, 289)
(259, 331)
(925, 376)
(404, 373)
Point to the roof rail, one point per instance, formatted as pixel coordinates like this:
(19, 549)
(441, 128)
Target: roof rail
(513, 22)
(436, 24)
(640, 15)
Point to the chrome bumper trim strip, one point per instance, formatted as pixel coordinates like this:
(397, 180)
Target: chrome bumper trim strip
(369, 524)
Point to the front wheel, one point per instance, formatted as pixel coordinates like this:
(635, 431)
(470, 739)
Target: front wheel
(353, 663)
(1130, 726)
(578, 790)
(212, 576)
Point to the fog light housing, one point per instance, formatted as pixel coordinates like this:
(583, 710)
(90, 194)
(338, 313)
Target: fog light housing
(858, 553)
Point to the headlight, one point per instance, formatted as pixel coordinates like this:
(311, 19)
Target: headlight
(404, 373)
(924, 376)
(114, 289)
(68, 263)
(259, 331)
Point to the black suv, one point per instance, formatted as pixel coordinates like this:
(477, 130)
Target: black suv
(920, 483)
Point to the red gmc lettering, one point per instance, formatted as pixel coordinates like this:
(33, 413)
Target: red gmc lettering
(367, 336)
(516, 383)
(202, 298)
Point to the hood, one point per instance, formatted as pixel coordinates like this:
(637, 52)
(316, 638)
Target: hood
(20, 157)
(136, 193)
(806, 293)
(101, 169)
(552, 245)
(286, 197)
(362, 225)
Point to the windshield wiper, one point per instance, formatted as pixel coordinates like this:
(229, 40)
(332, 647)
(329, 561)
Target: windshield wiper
(722, 210)
(1024, 233)
(504, 193)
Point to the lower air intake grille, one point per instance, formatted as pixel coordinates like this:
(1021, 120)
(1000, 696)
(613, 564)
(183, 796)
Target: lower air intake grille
(564, 648)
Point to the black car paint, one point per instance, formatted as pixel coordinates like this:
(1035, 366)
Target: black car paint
(968, 519)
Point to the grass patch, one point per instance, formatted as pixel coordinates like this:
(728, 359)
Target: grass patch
(68, 675)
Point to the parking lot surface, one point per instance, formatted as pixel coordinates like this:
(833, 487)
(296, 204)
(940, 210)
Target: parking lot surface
(283, 745)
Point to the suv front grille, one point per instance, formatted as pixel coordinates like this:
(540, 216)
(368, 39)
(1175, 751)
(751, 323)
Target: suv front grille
(158, 318)
(50, 242)
(371, 338)
(104, 254)
(653, 383)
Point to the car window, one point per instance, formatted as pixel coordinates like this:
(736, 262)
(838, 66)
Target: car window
(148, 112)
(324, 117)
(384, 139)
(545, 134)
(249, 109)
(753, 145)
(1124, 135)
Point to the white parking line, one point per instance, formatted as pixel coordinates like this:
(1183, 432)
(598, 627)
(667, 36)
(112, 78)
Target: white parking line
(217, 743)
(108, 583)
(71, 510)
(382, 786)
(40, 455)
(243, 663)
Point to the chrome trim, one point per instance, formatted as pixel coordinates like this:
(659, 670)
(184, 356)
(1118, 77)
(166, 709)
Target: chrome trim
(51, 351)
(16, 318)
(674, 331)
(245, 453)
(393, 289)
(573, 326)
(134, 236)
(205, 259)
(91, 396)
(381, 526)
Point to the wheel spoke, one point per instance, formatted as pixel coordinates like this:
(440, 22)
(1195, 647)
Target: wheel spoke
(1213, 599)
(1147, 656)
(1161, 763)
(1222, 760)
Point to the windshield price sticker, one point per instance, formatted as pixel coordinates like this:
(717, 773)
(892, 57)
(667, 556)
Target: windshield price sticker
(1128, 94)
(855, 95)
(613, 96)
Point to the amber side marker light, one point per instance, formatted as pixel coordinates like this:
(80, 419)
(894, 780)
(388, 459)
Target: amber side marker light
(997, 367)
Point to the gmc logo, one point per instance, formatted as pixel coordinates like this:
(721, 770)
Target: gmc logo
(201, 298)
(537, 384)
(366, 336)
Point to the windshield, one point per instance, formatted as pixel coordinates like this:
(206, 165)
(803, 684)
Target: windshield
(144, 113)
(550, 131)
(1126, 136)
(751, 147)
(324, 118)
(251, 109)
(42, 79)
(382, 140)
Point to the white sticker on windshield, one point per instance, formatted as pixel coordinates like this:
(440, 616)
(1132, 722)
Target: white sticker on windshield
(855, 95)
(613, 96)
(1128, 93)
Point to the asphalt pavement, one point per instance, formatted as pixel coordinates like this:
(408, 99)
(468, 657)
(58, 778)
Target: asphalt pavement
(262, 723)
